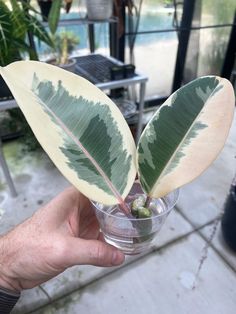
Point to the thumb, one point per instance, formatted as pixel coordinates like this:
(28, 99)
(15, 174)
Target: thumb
(93, 252)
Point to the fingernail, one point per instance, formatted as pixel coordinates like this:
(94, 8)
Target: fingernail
(117, 258)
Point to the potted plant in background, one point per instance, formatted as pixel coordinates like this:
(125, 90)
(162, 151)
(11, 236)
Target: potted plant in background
(64, 43)
(92, 145)
(16, 22)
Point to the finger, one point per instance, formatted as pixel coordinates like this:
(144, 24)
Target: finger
(93, 252)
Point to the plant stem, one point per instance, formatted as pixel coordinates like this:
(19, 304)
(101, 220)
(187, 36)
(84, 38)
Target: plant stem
(148, 201)
(125, 209)
(143, 228)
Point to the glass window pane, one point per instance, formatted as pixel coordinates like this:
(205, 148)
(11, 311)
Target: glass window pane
(154, 54)
(217, 11)
(207, 47)
(213, 45)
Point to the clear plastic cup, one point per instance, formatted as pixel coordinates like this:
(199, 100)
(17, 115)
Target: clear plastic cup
(129, 234)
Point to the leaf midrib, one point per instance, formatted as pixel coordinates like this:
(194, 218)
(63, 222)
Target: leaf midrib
(87, 154)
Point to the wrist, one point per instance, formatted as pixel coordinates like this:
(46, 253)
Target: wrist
(9, 285)
(6, 282)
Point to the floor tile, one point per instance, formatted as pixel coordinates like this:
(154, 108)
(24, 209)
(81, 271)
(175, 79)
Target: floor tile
(37, 181)
(30, 299)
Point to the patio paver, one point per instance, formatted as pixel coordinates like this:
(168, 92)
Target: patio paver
(31, 299)
(37, 181)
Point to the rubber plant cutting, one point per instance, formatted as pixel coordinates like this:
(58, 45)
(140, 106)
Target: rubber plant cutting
(89, 141)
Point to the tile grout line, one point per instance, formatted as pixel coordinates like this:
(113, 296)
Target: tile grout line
(217, 251)
(205, 238)
(46, 293)
(195, 228)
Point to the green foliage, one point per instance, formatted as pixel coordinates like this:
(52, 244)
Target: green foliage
(54, 15)
(15, 22)
(168, 2)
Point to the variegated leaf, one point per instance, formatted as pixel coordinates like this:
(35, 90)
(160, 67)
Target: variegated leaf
(185, 135)
(80, 128)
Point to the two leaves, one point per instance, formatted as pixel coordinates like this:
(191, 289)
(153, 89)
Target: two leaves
(88, 139)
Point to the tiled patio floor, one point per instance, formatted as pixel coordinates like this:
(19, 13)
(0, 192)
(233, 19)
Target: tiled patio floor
(159, 281)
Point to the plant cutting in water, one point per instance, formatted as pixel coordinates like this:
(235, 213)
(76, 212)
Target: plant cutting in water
(87, 138)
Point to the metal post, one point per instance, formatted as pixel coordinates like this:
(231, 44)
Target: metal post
(6, 172)
(91, 37)
(141, 107)
(184, 34)
(192, 56)
(230, 53)
(114, 43)
(121, 55)
(33, 53)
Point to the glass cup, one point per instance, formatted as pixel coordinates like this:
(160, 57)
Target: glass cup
(129, 234)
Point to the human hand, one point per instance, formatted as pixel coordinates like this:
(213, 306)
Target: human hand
(63, 233)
